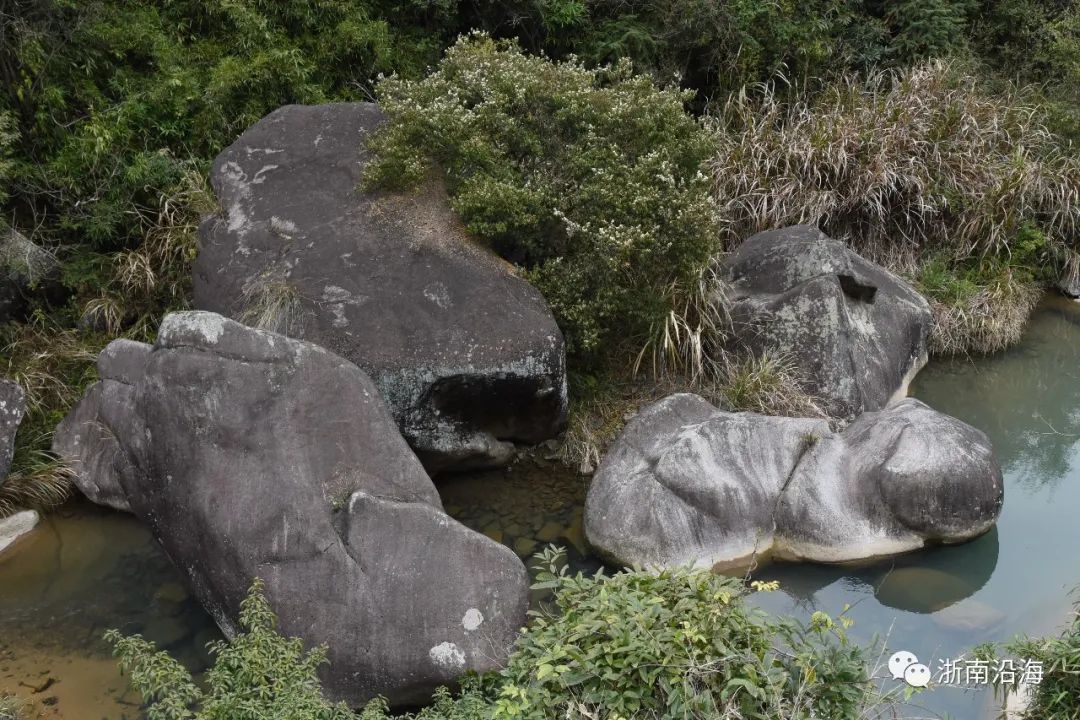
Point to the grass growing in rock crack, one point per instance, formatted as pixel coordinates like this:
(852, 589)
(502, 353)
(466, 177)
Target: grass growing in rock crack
(271, 302)
(602, 404)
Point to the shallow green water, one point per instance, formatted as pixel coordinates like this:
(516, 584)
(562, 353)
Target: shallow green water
(1017, 578)
(89, 569)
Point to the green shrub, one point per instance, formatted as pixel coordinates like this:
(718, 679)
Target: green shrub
(260, 675)
(1057, 697)
(678, 644)
(675, 645)
(590, 180)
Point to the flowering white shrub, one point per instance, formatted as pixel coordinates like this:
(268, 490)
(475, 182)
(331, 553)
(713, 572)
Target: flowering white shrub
(590, 180)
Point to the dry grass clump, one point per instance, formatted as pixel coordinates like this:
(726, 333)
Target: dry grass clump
(768, 385)
(895, 163)
(11, 707)
(913, 167)
(153, 279)
(271, 302)
(54, 366)
(41, 483)
(990, 319)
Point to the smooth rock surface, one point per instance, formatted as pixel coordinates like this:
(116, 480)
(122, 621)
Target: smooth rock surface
(466, 354)
(856, 333)
(12, 409)
(86, 440)
(686, 483)
(15, 526)
(893, 481)
(250, 454)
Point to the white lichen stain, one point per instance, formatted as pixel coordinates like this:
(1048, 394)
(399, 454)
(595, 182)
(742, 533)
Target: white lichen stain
(448, 655)
(472, 620)
(205, 325)
(437, 293)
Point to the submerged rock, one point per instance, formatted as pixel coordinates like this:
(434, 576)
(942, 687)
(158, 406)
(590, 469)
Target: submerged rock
(254, 455)
(12, 409)
(856, 333)
(15, 526)
(687, 483)
(466, 354)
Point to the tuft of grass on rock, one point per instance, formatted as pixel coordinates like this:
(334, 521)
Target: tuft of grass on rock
(766, 384)
(601, 405)
(976, 311)
(271, 302)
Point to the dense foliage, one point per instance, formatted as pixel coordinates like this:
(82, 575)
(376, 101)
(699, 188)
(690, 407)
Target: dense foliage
(589, 179)
(675, 645)
(259, 675)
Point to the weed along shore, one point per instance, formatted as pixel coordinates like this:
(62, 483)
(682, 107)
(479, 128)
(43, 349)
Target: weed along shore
(679, 360)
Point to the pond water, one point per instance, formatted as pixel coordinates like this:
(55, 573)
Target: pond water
(87, 569)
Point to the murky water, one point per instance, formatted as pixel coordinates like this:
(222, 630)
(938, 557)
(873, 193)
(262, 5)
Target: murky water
(87, 569)
(83, 571)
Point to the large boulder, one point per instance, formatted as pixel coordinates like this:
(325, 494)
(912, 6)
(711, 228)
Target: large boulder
(856, 333)
(687, 483)
(12, 409)
(892, 481)
(251, 454)
(466, 354)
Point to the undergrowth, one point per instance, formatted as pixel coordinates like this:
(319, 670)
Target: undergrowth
(674, 645)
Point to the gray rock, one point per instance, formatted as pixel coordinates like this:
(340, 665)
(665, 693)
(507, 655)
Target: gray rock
(12, 409)
(1069, 283)
(23, 267)
(856, 333)
(893, 481)
(85, 439)
(686, 483)
(252, 454)
(15, 526)
(466, 354)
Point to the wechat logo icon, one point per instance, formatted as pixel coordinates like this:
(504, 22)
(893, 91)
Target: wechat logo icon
(905, 666)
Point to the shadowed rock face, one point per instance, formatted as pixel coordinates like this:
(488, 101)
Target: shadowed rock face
(254, 455)
(856, 332)
(12, 409)
(467, 355)
(689, 484)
